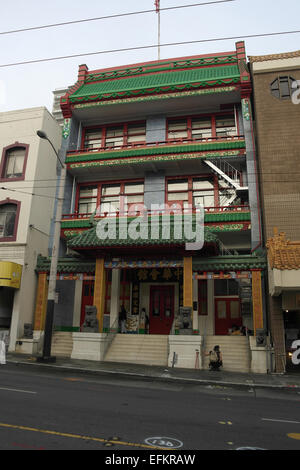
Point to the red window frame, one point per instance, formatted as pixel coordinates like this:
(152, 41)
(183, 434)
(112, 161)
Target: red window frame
(190, 189)
(18, 207)
(121, 193)
(16, 145)
(212, 116)
(103, 130)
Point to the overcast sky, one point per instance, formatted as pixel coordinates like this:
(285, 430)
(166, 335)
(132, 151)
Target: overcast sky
(31, 85)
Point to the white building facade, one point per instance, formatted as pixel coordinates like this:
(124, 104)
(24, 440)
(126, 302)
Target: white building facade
(27, 195)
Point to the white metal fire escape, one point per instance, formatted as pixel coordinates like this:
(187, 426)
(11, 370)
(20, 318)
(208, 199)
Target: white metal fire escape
(230, 179)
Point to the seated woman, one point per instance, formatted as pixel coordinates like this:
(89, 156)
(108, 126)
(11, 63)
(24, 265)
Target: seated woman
(215, 358)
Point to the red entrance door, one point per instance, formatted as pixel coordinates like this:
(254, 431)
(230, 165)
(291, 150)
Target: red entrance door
(87, 298)
(227, 314)
(161, 309)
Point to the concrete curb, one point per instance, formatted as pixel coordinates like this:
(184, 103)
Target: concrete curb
(164, 377)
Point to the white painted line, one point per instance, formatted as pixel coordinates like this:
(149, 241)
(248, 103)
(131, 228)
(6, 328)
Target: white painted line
(16, 390)
(280, 420)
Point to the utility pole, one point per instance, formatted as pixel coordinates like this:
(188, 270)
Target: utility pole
(46, 357)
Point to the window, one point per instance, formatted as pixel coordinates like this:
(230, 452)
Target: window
(178, 129)
(8, 220)
(87, 199)
(281, 88)
(226, 287)
(93, 139)
(14, 162)
(191, 191)
(225, 126)
(113, 137)
(109, 198)
(202, 127)
(136, 133)
(203, 192)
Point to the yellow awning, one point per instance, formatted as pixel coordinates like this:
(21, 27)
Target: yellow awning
(10, 274)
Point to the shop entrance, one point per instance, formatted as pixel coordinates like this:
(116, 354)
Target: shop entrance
(161, 310)
(87, 298)
(227, 315)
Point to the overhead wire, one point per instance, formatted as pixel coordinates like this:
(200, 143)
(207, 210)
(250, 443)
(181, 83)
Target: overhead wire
(117, 15)
(151, 46)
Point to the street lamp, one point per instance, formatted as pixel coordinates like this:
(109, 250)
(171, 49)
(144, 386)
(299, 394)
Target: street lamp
(46, 357)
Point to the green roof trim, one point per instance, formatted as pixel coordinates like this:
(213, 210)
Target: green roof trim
(156, 83)
(230, 263)
(208, 217)
(165, 66)
(155, 150)
(216, 263)
(166, 96)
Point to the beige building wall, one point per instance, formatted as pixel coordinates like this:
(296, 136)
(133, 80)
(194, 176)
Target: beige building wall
(36, 194)
(277, 127)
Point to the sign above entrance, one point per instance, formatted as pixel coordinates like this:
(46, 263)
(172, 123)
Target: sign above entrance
(143, 264)
(10, 274)
(221, 275)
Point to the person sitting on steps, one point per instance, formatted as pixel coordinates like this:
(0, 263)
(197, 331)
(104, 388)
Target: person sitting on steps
(215, 358)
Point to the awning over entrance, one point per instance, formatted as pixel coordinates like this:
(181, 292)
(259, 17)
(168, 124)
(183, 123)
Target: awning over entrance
(10, 274)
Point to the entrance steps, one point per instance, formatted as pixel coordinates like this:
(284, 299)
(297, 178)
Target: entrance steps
(62, 343)
(235, 351)
(139, 349)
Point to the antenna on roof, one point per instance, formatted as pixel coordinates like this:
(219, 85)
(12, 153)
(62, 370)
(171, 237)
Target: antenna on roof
(157, 6)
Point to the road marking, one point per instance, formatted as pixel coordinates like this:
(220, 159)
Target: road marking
(294, 436)
(280, 420)
(78, 436)
(16, 390)
(164, 442)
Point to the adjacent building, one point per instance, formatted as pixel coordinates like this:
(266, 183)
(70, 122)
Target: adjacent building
(146, 147)
(276, 84)
(27, 194)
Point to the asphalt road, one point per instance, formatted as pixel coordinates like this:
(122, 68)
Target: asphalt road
(45, 410)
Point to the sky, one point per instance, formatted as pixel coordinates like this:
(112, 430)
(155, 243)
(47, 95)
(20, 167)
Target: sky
(31, 85)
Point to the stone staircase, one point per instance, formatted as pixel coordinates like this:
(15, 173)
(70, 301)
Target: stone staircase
(139, 349)
(62, 343)
(235, 351)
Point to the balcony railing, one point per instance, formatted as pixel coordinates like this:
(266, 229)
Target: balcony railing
(216, 210)
(138, 145)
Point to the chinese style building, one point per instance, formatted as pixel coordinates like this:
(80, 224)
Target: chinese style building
(276, 89)
(147, 145)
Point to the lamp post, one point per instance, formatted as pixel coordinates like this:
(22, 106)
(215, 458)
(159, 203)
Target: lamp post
(46, 357)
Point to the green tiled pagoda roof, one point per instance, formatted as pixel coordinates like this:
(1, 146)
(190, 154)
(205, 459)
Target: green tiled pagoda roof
(156, 83)
(230, 263)
(90, 239)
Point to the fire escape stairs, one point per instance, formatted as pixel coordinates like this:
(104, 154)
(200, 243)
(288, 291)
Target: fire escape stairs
(230, 176)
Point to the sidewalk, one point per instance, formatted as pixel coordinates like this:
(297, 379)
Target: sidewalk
(288, 381)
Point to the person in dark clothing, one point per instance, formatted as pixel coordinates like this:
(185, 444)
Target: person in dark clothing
(215, 358)
(123, 318)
